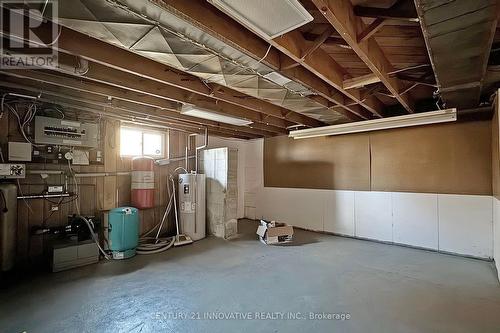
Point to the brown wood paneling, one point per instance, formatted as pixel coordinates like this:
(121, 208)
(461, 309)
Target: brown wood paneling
(449, 158)
(341, 162)
(97, 194)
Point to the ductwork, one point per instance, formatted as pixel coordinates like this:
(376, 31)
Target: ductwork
(146, 29)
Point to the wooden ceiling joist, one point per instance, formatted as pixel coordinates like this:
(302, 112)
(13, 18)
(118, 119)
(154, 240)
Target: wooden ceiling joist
(369, 31)
(92, 49)
(209, 19)
(84, 87)
(360, 81)
(125, 115)
(340, 14)
(119, 79)
(69, 98)
(402, 10)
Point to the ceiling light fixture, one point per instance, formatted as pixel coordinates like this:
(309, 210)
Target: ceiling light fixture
(189, 110)
(416, 119)
(269, 19)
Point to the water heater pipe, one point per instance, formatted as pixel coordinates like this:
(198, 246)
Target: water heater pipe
(205, 145)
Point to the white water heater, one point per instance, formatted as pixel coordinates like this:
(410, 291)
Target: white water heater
(192, 205)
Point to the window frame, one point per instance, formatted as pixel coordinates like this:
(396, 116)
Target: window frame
(145, 131)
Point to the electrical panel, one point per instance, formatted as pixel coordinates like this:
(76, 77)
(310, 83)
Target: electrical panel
(54, 131)
(12, 171)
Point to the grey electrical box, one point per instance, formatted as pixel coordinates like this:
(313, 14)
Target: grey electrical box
(54, 131)
(19, 151)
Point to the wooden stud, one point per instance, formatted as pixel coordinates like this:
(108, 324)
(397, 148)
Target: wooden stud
(340, 14)
(371, 29)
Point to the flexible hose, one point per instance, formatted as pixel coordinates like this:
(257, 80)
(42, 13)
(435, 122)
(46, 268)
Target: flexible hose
(151, 245)
(94, 237)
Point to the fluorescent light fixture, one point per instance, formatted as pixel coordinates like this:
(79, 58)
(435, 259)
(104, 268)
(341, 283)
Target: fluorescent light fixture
(267, 18)
(416, 119)
(189, 110)
(277, 78)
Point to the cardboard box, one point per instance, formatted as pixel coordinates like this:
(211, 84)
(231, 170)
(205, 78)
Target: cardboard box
(272, 232)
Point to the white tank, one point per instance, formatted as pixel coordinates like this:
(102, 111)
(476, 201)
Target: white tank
(192, 205)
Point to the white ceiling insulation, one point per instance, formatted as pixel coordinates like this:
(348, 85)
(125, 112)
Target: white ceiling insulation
(144, 28)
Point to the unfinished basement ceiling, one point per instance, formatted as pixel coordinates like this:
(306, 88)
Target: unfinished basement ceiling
(144, 28)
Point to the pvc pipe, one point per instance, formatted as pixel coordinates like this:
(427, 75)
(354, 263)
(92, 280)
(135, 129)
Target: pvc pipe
(102, 174)
(201, 147)
(45, 172)
(79, 175)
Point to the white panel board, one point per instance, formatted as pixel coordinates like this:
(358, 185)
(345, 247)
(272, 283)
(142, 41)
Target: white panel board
(298, 207)
(373, 215)
(415, 219)
(339, 212)
(466, 224)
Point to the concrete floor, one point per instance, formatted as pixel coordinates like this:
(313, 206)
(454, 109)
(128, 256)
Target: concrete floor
(382, 288)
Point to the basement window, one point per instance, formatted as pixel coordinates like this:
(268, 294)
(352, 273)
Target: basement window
(141, 142)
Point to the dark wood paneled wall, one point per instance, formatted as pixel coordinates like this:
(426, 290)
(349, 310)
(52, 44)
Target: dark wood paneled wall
(446, 158)
(97, 194)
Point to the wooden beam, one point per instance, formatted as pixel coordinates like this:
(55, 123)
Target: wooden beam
(92, 49)
(371, 29)
(360, 81)
(422, 81)
(135, 109)
(340, 14)
(318, 42)
(332, 40)
(402, 14)
(322, 65)
(287, 63)
(117, 78)
(113, 92)
(124, 115)
(209, 19)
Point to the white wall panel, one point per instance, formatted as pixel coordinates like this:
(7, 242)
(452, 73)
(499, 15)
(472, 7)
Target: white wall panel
(339, 212)
(298, 207)
(453, 223)
(466, 224)
(373, 215)
(415, 219)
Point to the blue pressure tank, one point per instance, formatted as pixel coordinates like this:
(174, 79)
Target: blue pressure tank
(123, 231)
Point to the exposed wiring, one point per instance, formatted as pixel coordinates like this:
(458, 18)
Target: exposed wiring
(151, 245)
(54, 108)
(24, 199)
(249, 68)
(79, 215)
(52, 212)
